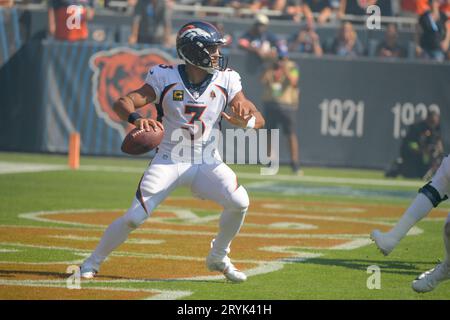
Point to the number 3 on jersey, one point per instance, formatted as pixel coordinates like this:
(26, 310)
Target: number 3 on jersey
(196, 111)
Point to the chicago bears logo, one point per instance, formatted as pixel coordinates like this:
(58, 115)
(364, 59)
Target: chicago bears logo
(116, 73)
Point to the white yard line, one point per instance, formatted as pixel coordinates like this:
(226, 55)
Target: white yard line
(17, 167)
(281, 177)
(333, 180)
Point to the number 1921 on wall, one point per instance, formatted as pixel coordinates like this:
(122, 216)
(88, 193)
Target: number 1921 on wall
(342, 118)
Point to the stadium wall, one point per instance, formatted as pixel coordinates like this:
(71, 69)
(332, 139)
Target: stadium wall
(352, 112)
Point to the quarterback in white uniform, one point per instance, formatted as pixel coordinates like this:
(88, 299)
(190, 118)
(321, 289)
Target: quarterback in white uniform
(429, 197)
(190, 97)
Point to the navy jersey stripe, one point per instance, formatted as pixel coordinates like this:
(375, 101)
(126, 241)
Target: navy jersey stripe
(159, 107)
(225, 93)
(139, 195)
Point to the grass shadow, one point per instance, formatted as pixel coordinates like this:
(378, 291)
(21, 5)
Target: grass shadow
(409, 268)
(10, 274)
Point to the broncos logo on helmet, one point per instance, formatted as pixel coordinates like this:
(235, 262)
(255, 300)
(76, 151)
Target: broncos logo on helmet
(194, 41)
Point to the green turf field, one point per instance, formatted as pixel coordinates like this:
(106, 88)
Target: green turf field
(304, 237)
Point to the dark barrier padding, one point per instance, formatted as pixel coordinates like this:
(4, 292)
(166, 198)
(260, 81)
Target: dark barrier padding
(21, 96)
(352, 113)
(10, 33)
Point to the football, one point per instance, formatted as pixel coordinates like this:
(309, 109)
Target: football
(139, 141)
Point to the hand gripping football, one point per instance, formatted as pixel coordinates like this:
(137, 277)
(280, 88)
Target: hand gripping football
(139, 141)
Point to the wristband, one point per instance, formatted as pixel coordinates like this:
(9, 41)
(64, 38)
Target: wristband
(251, 123)
(133, 117)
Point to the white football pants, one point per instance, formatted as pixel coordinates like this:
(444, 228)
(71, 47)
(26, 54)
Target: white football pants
(216, 182)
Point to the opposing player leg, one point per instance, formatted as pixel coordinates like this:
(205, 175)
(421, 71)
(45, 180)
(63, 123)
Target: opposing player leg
(429, 280)
(219, 183)
(430, 195)
(155, 185)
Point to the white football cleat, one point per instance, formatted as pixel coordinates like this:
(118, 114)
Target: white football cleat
(87, 271)
(383, 241)
(430, 279)
(225, 266)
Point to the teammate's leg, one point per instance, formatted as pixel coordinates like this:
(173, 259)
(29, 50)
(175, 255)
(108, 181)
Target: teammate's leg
(430, 195)
(156, 183)
(429, 280)
(219, 183)
(272, 121)
(446, 237)
(293, 147)
(289, 123)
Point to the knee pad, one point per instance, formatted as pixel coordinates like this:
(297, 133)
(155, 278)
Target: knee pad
(239, 200)
(135, 216)
(432, 194)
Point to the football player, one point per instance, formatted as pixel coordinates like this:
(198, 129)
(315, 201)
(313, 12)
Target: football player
(429, 197)
(192, 96)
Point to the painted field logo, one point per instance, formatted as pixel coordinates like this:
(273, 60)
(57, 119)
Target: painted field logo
(172, 246)
(117, 72)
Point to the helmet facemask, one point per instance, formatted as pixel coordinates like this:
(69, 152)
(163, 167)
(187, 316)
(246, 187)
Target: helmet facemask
(201, 57)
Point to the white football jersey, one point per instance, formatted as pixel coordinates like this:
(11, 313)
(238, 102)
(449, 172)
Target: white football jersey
(196, 113)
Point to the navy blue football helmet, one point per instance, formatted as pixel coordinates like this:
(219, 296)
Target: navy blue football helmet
(193, 41)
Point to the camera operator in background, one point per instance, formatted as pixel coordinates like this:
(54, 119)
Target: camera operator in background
(421, 151)
(281, 102)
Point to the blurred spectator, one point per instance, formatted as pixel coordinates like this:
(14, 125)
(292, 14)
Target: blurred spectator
(239, 4)
(259, 43)
(278, 5)
(152, 22)
(306, 41)
(321, 7)
(6, 3)
(421, 151)
(445, 8)
(281, 102)
(213, 3)
(116, 5)
(418, 7)
(224, 3)
(256, 5)
(347, 44)
(390, 48)
(67, 19)
(294, 9)
(259, 40)
(218, 3)
(434, 34)
(354, 7)
(228, 37)
(358, 7)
